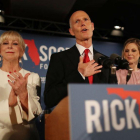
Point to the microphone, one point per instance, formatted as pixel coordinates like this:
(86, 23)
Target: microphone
(103, 60)
(106, 62)
(121, 63)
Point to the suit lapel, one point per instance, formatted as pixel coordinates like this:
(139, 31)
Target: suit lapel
(73, 54)
(94, 51)
(96, 76)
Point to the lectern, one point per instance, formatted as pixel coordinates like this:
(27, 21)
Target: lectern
(97, 112)
(57, 122)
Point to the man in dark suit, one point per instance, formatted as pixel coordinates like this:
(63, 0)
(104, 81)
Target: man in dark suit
(70, 66)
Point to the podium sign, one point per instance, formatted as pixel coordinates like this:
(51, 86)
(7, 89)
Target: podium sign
(104, 112)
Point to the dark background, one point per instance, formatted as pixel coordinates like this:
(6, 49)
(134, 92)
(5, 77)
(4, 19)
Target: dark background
(51, 16)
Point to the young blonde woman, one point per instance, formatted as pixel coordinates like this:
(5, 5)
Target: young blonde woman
(131, 52)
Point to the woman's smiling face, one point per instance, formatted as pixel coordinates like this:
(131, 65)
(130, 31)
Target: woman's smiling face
(11, 50)
(131, 53)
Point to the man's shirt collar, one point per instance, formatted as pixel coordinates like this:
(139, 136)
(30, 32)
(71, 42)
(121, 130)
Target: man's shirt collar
(82, 48)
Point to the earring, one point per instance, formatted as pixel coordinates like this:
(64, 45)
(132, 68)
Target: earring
(20, 61)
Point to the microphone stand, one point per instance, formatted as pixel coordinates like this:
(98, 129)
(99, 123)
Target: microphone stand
(128, 74)
(113, 78)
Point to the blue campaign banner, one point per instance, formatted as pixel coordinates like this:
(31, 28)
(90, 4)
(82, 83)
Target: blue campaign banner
(104, 112)
(40, 47)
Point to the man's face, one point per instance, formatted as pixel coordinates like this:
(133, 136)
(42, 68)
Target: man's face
(81, 26)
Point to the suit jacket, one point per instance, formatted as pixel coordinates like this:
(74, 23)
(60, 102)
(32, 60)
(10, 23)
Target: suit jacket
(63, 70)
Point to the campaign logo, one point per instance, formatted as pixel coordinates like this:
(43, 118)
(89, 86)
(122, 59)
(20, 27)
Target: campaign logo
(32, 51)
(40, 55)
(125, 94)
